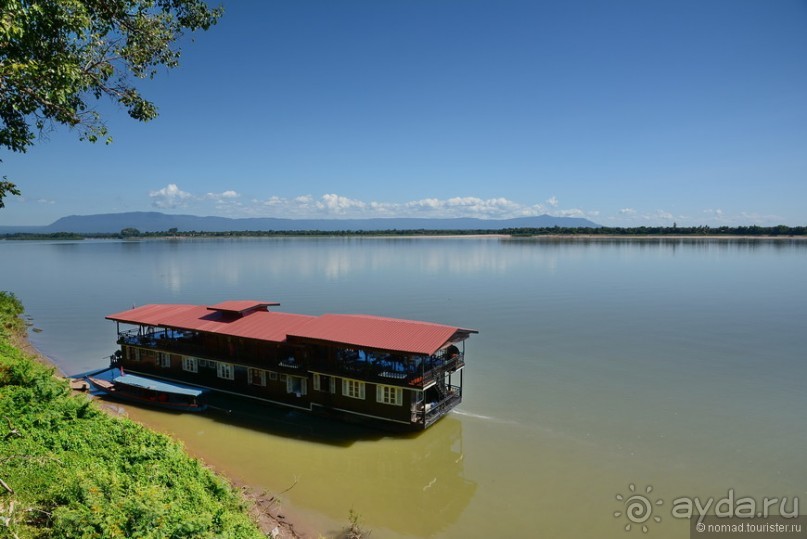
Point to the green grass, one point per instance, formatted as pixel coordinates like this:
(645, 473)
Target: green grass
(77, 472)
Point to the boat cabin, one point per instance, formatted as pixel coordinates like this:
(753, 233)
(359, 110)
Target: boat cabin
(400, 372)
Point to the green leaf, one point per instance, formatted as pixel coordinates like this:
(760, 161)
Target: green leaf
(56, 54)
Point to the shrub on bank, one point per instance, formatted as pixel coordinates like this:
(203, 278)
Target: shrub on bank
(70, 470)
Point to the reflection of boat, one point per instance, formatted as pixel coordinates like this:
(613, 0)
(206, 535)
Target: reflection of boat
(140, 389)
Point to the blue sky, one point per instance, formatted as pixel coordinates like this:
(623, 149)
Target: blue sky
(627, 112)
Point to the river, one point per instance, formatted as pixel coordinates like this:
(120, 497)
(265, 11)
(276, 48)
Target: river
(603, 369)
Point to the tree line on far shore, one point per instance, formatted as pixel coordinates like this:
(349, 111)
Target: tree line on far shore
(642, 231)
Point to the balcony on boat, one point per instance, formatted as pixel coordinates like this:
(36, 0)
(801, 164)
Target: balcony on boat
(162, 339)
(188, 343)
(433, 408)
(414, 372)
(178, 342)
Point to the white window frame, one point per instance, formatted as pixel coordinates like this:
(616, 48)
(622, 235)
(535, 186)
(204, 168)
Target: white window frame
(225, 371)
(190, 364)
(389, 395)
(164, 360)
(291, 380)
(261, 378)
(353, 388)
(318, 383)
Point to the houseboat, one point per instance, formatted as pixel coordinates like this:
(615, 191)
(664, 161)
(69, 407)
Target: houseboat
(401, 373)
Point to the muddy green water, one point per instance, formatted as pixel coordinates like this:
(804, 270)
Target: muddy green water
(675, 365)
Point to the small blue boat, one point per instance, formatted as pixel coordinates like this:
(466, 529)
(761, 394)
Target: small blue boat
(142, 390)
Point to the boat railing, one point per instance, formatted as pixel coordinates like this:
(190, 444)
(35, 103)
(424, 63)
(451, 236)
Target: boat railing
(176, 344)
(153, 339)
(132, 336)
(395, 373)
(430, 414)
(441, 366)
(289, 363)
(185, 345)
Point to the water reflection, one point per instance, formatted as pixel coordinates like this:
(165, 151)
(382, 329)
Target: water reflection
(409, 484)
(288, 423)
(642, 242)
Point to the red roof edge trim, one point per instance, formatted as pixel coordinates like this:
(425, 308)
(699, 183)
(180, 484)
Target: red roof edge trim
(242, 306)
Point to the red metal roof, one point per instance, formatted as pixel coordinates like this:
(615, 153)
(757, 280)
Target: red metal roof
(364, 331)
(263, 325)
(354, 330)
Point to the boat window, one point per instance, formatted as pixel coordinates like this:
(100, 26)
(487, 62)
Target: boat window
(296, 385)
(206, 363)
(389, 395)
(353, 388)
(324, 383)
(190, 364)
(257, 377)
(225, 370)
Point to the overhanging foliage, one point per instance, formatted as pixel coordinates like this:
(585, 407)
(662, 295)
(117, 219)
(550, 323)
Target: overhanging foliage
(57, 56)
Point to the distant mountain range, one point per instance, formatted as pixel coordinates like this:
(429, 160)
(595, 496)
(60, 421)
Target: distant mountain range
(159, 222)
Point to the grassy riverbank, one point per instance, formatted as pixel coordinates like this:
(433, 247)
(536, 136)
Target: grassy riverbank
(70, 470)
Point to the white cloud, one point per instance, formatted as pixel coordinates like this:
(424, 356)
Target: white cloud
(633, 217)
(273, 201)
(714, 215)
(462, 207)
(574, 212)
(169, 197)
(339, 206)
(226, 195)
(21, 199)
(745, 218)
(226, 202)
(709, 216)
(333, 205)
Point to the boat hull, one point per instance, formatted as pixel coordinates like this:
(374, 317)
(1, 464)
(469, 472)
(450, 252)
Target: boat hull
(148, 392)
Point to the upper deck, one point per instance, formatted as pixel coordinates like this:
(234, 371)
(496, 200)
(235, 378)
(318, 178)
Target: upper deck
(391, 351)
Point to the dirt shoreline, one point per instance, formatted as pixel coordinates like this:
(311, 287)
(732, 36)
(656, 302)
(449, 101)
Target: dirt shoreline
(263, 507)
